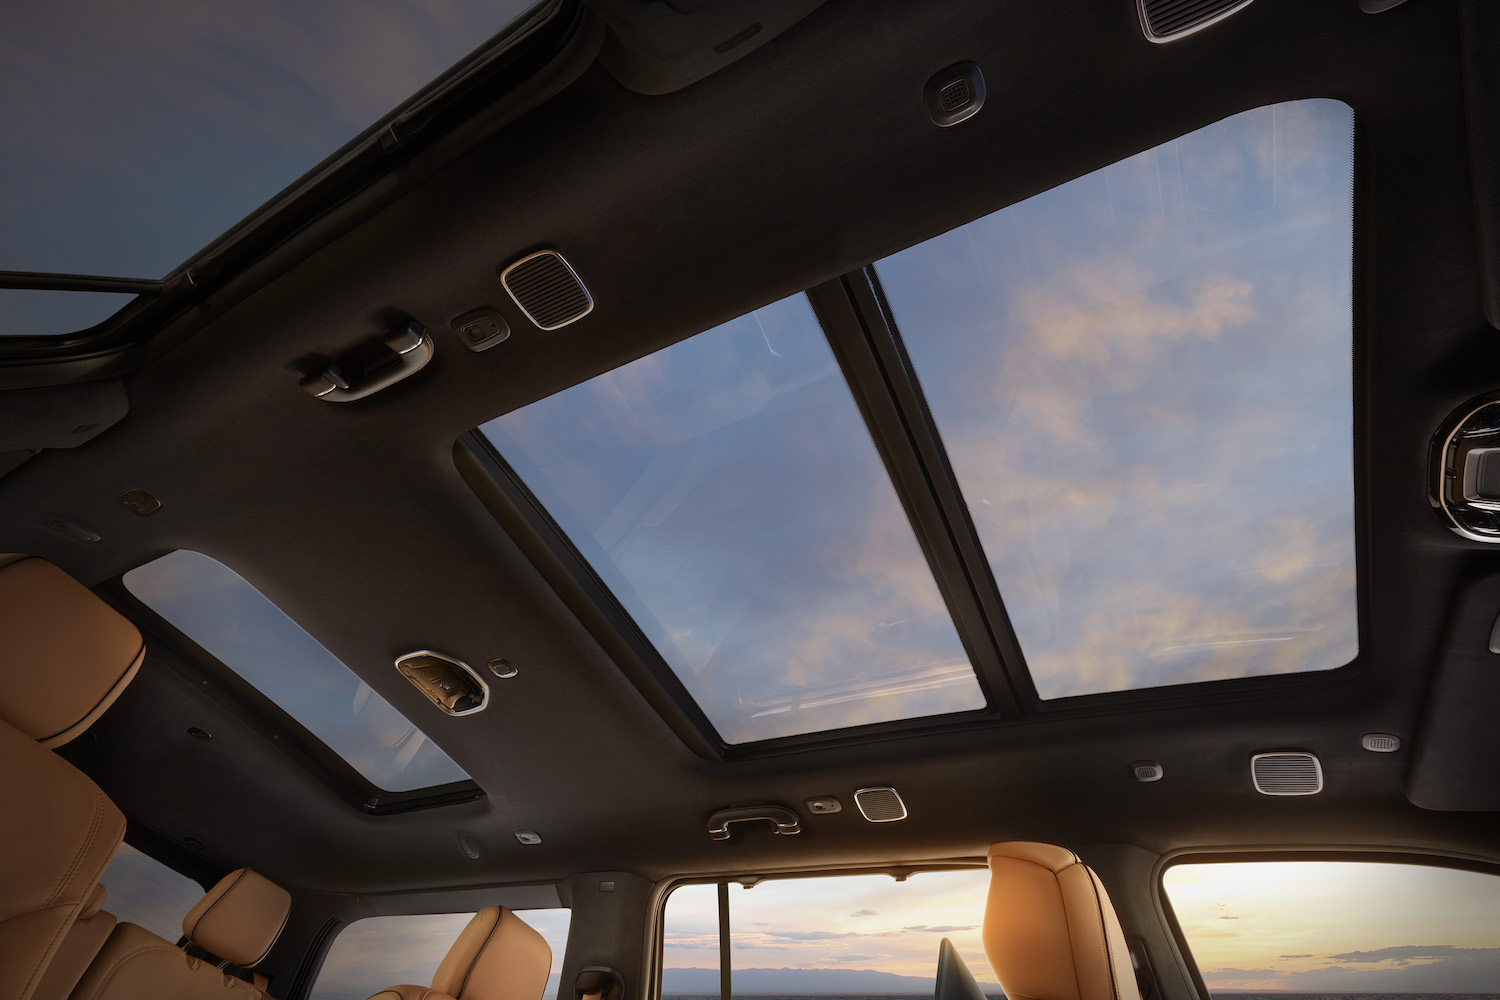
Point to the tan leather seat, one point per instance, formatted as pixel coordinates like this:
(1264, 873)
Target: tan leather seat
(238, 922)
(78, 949)
(1050, 931)
(497, 957)
(65, 656)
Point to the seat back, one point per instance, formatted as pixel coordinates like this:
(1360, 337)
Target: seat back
(236, 922)
(497, 957)
(78, 949)
(1050, 931)
(65, 656)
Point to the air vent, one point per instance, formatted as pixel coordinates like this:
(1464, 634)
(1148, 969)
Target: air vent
(1169, 20)
(880, 805)
(1286, 773)
(548, 291)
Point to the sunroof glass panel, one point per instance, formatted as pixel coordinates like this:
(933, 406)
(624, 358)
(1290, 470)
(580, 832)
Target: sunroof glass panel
(728, 493)
(136, 133)
(1143, 379)
(222, 612)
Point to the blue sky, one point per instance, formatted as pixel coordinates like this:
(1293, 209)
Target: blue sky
(134, 134)
(220, 611)
(1144, 381)
(728, 492)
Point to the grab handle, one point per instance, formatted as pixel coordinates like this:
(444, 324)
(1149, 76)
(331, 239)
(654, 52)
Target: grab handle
(413, 349)
(786, 821)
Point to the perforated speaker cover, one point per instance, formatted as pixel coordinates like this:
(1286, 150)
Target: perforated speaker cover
(880, 805)
(1165, 20)
(547, 289)
(1286, 773)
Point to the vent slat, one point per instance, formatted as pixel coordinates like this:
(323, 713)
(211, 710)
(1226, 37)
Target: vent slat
(1289, 773)
(547, 290)
(1168, 18)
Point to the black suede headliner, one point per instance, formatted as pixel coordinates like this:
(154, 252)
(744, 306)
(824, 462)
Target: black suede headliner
(808, 158)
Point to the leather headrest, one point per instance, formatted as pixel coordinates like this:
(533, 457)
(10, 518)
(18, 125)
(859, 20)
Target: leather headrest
(1050, 931)
(497, 957)
(65, 655)
(93, 904)
(240, 918)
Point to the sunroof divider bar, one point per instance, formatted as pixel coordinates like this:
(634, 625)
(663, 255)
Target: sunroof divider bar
(547, 546)
(864, 340)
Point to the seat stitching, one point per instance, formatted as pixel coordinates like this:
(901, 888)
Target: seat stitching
(216, 902)
(83, 848)
(114, 690)
(263, 954)
(467, 972)
(139, 950)
(1109, 959)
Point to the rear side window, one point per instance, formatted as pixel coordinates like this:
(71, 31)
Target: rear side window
(377, 952)
(1339, 927)
(844, 936)
(143, 891)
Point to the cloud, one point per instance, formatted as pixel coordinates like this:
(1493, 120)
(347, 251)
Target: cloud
(942, 928)
(1398, 969)
(863, 913)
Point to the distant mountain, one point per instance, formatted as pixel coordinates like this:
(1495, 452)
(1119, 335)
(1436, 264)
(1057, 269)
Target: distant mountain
(801, 982)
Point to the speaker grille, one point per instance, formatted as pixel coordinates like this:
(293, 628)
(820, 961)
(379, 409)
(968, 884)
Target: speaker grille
(1164, 20)
(955, 95)
(547, 290)
(880, 805)
(1286, 773)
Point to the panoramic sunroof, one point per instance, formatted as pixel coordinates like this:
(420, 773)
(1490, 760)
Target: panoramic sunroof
(220, 611)
(727, 492)
(1143, 380)
(134, 134)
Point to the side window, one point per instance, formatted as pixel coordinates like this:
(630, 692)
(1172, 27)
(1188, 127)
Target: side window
(143, 891)
(377, 952)
(1349, 927)
(848, 935)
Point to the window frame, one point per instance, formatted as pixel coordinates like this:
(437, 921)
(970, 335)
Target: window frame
(861, 330)
(168, 645)
(1182, 953)
(656, 913)
(411, 904)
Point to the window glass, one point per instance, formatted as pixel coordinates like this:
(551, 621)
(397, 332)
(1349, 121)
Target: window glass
(849, 936)
(29, 312)
(137, 133)
(376, 952)
(220, 611)
(726, 490)
(141, 890)
(1339, 927)
(1143, 380)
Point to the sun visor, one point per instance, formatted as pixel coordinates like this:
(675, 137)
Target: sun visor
(65, 655)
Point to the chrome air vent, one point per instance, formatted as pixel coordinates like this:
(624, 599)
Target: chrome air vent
(1169, 20)
(1286, 773)
(548, 291)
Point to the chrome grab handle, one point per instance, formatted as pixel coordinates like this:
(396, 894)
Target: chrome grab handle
(786, 821)
(413, 348)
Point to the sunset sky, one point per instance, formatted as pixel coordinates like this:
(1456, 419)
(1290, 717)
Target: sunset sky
(842, 922)
(1340, 926)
